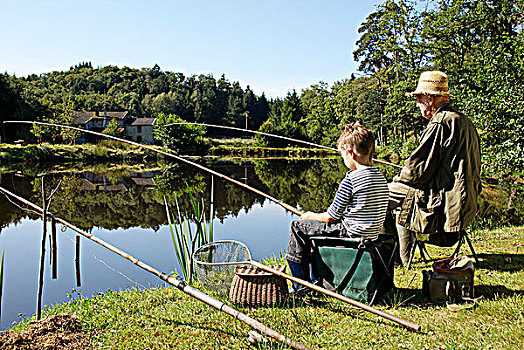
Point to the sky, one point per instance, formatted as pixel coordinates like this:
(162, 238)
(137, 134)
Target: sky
(274, 46)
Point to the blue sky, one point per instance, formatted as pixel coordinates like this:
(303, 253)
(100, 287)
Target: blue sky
(273, 46)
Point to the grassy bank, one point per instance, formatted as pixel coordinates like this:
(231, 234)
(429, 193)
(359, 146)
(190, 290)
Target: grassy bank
(106, 151)
(112, 151)
(168, 319)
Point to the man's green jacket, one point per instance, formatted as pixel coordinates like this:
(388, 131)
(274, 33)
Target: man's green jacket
(444, 174)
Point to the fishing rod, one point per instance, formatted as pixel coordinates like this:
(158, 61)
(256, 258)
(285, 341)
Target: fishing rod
(284, 205)
(273, 199)
(181, 285)
(276, 136)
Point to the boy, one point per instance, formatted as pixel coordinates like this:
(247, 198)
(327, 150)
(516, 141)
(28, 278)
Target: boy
(358, 210)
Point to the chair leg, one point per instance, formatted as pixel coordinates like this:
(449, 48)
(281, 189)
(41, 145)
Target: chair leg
(423, 251)
(376, 253)
(459, 245)
(471, 248)
(412, 254)
(464, 237)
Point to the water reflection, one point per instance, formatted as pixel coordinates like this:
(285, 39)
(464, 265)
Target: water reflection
(89, 199)
(127, 210)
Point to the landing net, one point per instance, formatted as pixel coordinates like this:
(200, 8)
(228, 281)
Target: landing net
(215, 263)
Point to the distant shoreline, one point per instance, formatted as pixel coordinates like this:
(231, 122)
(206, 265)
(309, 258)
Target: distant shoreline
(89, 153)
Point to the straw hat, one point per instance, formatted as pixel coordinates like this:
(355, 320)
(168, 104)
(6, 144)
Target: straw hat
(432, 83)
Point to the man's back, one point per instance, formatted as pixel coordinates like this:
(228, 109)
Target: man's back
(446, 167)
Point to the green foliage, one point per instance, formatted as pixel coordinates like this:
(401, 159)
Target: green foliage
(495, 94)
(143, 92)
(286, 118)
(275, 259)
(61, 113)
(113, 129)
(183, 138)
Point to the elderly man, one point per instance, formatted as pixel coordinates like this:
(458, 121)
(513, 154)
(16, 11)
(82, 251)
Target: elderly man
(436, 192)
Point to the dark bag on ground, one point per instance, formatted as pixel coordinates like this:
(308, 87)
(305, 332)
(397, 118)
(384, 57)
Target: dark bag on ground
(449, 281)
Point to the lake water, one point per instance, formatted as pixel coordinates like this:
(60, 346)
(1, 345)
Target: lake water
(125, 208)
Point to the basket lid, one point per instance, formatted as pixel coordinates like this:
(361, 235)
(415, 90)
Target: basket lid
(249, 270)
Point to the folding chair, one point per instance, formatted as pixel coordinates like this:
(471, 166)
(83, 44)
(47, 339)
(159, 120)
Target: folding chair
(421, 245)
(359, 269)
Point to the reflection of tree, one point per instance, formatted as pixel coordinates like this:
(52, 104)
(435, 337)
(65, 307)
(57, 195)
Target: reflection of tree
(9, 213)
(136, 206)
(229, 198)
(310, 184)
(175, 179)
(305, 184)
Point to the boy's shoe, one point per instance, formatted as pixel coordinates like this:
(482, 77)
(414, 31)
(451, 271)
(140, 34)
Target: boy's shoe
(300, 291)
(306, 295)
(303, 290)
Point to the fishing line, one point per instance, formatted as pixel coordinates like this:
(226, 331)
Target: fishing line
(276, 136)
(100, 260)
(19, 206)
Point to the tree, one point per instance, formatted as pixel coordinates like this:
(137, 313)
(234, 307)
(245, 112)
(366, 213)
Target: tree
(389, 45)
(64, 114)
(480, 44)
(113, 129)
(286, 119)
(188, 139)
(320, 121)
(390, 50)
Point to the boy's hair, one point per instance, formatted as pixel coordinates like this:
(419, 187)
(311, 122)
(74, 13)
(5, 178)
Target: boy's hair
(359, 138)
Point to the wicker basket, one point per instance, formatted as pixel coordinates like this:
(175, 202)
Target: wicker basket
(252, 286)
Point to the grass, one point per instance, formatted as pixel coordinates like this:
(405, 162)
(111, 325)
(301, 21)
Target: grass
(166, 318)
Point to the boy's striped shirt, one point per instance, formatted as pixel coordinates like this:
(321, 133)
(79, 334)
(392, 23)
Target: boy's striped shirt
(361, 202)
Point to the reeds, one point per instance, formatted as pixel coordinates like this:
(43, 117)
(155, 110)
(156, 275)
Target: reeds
(188, 237)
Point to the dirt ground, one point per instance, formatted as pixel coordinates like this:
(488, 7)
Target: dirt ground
(54, 332)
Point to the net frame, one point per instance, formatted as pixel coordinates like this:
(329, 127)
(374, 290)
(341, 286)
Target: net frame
(217, 270)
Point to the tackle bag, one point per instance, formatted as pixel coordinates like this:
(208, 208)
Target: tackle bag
(449, 281)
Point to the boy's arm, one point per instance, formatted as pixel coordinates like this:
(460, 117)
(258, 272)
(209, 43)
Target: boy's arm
(322, 217)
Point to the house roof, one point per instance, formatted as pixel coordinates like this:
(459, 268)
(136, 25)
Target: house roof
(82, 117)
(142, 121)
(143, 181)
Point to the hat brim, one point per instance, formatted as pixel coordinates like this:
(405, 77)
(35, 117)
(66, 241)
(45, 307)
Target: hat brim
(431, 93)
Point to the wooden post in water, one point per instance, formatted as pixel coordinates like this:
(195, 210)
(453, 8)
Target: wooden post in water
(54, 257)
(42, 254)
(77, 260)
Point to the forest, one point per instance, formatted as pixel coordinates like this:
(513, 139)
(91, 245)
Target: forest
(478, 43)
